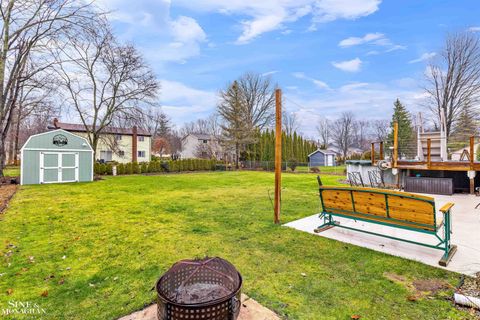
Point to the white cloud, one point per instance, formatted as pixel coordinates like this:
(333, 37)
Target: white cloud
(170, 38)
(269, 15)
(424, 57)
(186, 29)
(184, 103)
(396, 47)
(320, 84)
(368, 38)
(269, 73)
(353, 65)
(474, 29)
(366, 100)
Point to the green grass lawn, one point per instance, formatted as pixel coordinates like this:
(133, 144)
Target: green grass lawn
(98, 248)
(11, 171)
(340, 170)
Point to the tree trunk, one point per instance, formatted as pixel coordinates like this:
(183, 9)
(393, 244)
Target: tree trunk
(17, 134)
(2, 155)
(237, 156)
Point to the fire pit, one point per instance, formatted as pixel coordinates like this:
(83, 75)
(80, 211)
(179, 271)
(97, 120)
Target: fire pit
(207, 289)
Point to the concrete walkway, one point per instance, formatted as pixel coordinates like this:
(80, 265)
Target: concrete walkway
(251, 310)
(465, 226)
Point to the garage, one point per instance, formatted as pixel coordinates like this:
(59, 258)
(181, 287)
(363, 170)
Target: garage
(56, 157)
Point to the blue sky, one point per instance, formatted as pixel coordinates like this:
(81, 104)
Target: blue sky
(328, 56)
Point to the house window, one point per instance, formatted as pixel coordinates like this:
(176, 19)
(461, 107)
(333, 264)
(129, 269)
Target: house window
(106, 156)
(121, 153)
(118, 137)
(141, 138)
(204, 141)
(141, 154)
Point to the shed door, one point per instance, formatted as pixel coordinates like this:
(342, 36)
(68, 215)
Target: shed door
(58, 167)
(329, 160)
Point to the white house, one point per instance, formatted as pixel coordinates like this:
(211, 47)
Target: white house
(199, 145)
(116, 144)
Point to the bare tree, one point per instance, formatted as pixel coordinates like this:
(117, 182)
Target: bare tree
(380, 129)
(103, 79)
(323, 129)
(34, 97)
(290, 122)
(454, 80)
(28, 27)
(342, 132)
(361, 133)
(208, 126)
(258, 95)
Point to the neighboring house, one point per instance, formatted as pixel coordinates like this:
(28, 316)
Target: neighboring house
(351, 151)
(199, 145)
(116, 144)
(321, 158)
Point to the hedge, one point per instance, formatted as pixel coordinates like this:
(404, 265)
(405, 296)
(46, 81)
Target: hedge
(156, 166)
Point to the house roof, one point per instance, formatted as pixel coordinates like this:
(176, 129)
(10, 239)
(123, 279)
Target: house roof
(322, 151)
(201, 136)
(76, 127)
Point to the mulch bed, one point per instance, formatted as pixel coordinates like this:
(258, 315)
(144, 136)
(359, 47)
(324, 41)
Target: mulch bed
(470, 286)
(7, 190)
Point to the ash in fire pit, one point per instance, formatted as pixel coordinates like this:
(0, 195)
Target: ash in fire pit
(209, 288)
(200, 293)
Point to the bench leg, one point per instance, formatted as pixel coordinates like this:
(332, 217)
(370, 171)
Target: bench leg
(449, 249)
(447, 256)
(327, 223)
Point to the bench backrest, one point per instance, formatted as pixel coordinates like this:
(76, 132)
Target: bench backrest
(407, 210)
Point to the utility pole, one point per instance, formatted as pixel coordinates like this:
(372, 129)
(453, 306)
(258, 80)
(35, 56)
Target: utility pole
(278, 154)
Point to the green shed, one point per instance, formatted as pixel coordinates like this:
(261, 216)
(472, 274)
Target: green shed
(56, 156)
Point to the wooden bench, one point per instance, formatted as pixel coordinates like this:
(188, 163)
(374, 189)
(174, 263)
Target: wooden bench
(390, 208)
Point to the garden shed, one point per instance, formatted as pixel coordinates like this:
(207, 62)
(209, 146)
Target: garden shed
(55, 157)
(321, 158)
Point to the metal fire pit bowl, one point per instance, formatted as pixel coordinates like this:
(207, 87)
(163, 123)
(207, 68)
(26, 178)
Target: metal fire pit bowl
(205, 289)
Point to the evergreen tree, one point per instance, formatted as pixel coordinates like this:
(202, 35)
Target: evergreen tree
(466, 125)
(405, 129)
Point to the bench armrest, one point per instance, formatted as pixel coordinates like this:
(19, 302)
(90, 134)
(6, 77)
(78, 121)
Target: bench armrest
(446, 208)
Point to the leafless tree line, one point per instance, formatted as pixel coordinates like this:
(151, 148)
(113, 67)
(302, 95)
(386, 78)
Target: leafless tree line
(346, 132)
(62, 54)
(453, 83)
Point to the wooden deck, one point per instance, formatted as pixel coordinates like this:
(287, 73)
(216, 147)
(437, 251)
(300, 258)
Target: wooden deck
(439, 165)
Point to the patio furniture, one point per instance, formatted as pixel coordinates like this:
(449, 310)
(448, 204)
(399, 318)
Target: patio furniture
(389, 208)
(355, 179)
(376, 179)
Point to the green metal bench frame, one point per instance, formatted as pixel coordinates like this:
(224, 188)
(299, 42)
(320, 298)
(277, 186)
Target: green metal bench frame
(444, 243)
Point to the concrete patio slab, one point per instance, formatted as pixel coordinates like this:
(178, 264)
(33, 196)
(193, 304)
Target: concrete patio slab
(465, 226)
(251, 310)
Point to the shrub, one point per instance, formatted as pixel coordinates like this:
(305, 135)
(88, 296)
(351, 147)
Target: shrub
(166, 165)
(292, 164)
(143, 167)
(152, 166)
(135, 167)
(109, 169)
(314, 170)
(121, 168)
(129, 168)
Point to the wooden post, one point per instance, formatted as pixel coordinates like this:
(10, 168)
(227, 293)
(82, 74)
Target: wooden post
(381, 150)
(278, 154)
(395, 144)
(472, 151)
(429, 152)
(372, 153)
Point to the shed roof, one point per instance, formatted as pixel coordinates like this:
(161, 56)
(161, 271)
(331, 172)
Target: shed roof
(322, 151)
(55, 132)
